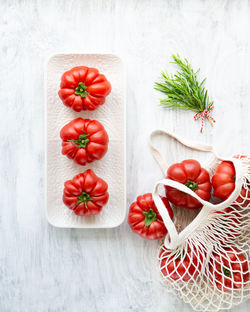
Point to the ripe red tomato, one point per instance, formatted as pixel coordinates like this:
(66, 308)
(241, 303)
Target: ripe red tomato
(84, 140)
(228, 269)
(180, 267)
(223, 182)
(85, 194)
(83, 88)
(244, 197)
(144, 218)
(190, 173)
(229, 227)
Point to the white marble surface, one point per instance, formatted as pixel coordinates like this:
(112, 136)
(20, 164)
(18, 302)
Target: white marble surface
(48, 269)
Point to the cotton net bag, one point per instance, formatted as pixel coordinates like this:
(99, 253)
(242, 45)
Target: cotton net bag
(205, 260)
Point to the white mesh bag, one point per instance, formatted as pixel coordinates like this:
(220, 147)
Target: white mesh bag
(205, 261)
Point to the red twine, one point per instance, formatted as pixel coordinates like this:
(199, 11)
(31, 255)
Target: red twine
(205, 114)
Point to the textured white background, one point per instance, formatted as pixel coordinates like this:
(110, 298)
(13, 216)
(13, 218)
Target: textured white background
(48, 269)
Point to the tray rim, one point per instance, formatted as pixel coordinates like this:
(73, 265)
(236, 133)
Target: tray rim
(46, 141)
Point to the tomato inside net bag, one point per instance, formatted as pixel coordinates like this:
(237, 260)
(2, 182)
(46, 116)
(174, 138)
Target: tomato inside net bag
(206, 261)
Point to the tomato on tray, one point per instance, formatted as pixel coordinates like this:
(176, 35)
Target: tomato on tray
(144, 218)
(190, 173)
(180, 267)
(223, 182)
(228, 269)
(85, 194)
(83, 88)
(84, 140)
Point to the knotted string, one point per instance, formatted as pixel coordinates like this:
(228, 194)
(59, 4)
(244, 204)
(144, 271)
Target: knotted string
(205, 114)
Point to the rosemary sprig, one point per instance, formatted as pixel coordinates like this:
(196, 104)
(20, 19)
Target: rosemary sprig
(184, 91)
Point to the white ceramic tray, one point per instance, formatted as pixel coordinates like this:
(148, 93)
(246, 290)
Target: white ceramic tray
(111, 167)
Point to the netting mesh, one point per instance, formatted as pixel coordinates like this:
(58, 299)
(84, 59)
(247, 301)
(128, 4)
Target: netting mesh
(210, 269)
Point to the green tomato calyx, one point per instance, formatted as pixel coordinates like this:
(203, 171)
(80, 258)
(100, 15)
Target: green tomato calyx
(150, 216)
(81, 90)
(192, 185)
(82, 140)
(84, 197)
(226, 272)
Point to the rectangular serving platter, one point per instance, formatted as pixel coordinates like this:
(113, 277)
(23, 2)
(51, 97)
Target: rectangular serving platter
(111, 168)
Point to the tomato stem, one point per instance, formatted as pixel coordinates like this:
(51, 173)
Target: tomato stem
(192, 185)
(81, 90)
(226, 272)
(82, 140)
(150, 216)
(183, 254)
(84, 197)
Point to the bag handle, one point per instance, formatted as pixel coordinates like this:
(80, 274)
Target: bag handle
(175, 239)
(193, 145)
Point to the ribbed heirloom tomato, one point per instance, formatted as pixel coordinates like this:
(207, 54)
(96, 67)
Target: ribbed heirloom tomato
(83, 88)
(228, 269)
(144, 218)
(180, 267)
(84, 140)
(223, 182)
(85, 194)
(190, 173)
